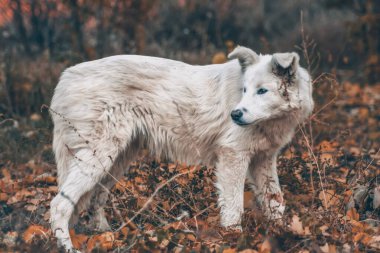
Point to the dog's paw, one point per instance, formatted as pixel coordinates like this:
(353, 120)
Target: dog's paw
(232, 232)
(234, 228)
(274, 207)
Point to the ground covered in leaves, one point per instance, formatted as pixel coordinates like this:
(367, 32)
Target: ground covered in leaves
(329, 174)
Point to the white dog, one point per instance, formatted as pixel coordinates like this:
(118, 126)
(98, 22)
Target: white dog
(234, 116)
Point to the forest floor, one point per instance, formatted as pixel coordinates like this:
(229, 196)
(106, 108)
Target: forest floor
(329, 174)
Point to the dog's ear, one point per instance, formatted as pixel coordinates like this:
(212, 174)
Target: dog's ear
(245, 56)
(285, 63)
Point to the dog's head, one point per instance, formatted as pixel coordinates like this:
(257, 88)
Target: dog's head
(270, 86)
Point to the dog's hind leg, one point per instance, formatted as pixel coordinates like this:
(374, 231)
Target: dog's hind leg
(98, 220)
(84, 172)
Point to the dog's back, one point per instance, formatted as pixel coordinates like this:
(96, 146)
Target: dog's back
(161, 102)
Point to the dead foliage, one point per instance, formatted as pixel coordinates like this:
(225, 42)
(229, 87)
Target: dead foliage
(329, 173)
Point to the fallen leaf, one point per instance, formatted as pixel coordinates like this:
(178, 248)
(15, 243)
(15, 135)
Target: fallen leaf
(78, 239)
(191, 237)
(46, 178)
(328, 151)
(329, 198)
(103, 241)
(248, 199)
(35, 230)
(375, 242)
(31, 208)
(296, 225)
(3, 196)
(352, 89)
(6, 174)
(323, 230)
(229, 250)
(20, 195)
(248, 251)
(10, 238)
(265, 247)
(362, 237)
(325, 248)
(164, 244)
(353, 214)
(332, 249)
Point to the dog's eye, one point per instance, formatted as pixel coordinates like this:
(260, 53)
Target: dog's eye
(244, 89)
(262, 91)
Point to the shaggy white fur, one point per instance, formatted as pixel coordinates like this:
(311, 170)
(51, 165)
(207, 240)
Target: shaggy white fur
(104, 111)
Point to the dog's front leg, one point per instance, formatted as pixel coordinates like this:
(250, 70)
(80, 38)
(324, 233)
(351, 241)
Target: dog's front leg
(231, 171)
(266, 186)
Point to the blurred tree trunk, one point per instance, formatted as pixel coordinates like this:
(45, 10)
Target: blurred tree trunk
(78, 28)
(371, 23)
(370, 27)
(141, 10)
(100, 35)
(140, 37)
(49, 27)
(18, 20)
(38, 21)
(8, 80)
(139, 27)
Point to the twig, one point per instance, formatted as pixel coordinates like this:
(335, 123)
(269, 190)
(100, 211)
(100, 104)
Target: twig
(298, 244)
(311, 153)
(6, 120)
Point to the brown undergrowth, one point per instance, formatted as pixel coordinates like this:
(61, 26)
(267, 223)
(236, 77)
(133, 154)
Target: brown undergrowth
(330, 179)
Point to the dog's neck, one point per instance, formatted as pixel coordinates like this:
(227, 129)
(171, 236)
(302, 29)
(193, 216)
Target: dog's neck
(278, 131)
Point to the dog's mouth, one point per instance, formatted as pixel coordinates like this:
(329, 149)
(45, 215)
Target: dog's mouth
(241, 123)
(244, 124)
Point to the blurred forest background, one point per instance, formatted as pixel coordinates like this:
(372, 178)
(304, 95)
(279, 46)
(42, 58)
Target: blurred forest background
(329, 172)
(39, 38)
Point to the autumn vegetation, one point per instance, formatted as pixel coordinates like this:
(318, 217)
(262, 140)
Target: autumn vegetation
(329, 172)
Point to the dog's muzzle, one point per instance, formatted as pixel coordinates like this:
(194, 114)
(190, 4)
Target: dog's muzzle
(236, 115)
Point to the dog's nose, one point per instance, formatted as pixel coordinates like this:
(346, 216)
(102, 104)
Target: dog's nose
(236, 114)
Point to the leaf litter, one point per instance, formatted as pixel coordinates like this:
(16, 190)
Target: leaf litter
(332, 196)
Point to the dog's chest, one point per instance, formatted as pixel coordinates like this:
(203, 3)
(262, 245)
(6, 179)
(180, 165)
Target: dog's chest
(269, 138)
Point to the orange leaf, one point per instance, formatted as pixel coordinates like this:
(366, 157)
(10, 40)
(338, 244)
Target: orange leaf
(265, 247)
(229, 250)
(219, 58)
(104, 241)
(20, 195)
(359, 236)
(353, 214)
(46, 179)
(6, 174)
(366, 240)
(332, 249)
(248, 199)
(78, 240)
(296, 225)
(34, 230)
(329, 198)
(328, 150)
(248, 251)
(3, 196)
